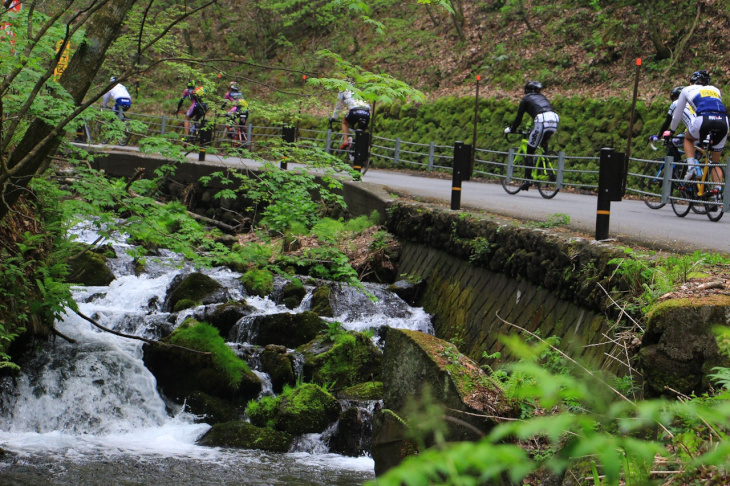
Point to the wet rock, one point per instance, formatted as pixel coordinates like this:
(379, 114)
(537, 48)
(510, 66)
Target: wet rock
(353, 435)
(194, 287)
(293, 293)
(213, 410)
(277, 362)
(246, 436)
(321, 304)
(225, 316)
(423, 367)
(409, 291)
(290, 330)
(89, 268)
(679, 349)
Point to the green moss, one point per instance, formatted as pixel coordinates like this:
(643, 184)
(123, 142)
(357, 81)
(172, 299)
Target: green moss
(351, 359)
(247, 436)
(194, 288)
(371, 390)
(263, 412)
(258, 282)
(183, 304)
(204, 337)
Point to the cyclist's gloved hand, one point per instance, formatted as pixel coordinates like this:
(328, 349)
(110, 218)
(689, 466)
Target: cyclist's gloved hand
(507, 130)
(332, 119)
(667, 135)
(653, 138)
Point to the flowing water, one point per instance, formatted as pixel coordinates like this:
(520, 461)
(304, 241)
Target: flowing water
(89, 413)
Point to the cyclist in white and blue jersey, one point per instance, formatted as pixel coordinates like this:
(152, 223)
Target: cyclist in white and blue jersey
(121, 97)
(711, 119)
(687, 116)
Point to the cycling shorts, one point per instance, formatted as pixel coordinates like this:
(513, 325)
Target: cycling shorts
(545, 125)
(122, 104)
(197, 111)
(702, 125)
(358, 117)
(237, 117)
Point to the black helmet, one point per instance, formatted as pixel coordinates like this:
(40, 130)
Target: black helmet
(700, 77)
(674, 94)
(533, 87)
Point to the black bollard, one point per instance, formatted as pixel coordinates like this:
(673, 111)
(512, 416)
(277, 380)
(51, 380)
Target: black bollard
(461, 172)
(206, 135)
(611, 187)
(362, 149)
(288, 134)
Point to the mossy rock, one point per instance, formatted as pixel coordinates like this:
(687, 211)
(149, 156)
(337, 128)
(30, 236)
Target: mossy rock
(89, 268)
(195, 287)
(350, 359)
(180, 373)
(290, 330)
(225, 316)
(321, 304)
(371, 390)
(293, 293)
(258, 282)
(212, 410)
(277, 362)
(246, 436)
(307, 409)
(183, 304)
(353, 435)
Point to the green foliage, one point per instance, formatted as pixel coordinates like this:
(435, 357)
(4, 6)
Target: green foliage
(553, 221)
(258, 282)
(204, 337)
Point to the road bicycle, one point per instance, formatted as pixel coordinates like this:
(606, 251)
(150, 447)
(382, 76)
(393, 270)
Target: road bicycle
(235, 130)
(701, 193)
(544, 174)
(651, 174)
(349, 149)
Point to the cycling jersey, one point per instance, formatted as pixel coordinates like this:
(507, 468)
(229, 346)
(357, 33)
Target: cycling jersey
(533, 104)
(688, 115)
(706, 101)
(187, 93)
(121, 97)
(350, 103)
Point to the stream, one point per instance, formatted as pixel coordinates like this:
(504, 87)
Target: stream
(89, 412)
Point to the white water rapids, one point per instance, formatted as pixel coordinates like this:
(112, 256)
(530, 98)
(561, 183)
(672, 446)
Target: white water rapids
(89, 412)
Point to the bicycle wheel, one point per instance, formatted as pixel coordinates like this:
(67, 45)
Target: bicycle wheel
(681, 193)
(650, 182)
(714, 206)
(365, 167)
(546, 176)
(512, 186)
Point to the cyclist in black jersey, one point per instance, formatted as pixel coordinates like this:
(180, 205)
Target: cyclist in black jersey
(535, 104)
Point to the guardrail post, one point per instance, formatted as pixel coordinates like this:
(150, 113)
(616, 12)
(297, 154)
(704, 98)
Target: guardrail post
(667, 179)
(461, 172)
(206, 135)
(163, 124)
(725, 193)
(288, 134)
(561, 170)
(611, 177)
(431, 152)
(510, 165)
(396, 154)
(249, 134)
(328, 142)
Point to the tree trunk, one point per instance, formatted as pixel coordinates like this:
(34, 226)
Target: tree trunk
(41, 139)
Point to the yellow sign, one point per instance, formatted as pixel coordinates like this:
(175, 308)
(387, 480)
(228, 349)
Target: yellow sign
(63, 61)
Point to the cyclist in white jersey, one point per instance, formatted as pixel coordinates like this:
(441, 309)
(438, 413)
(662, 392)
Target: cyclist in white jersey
(357, 110)
(711, 120)
(120, 95)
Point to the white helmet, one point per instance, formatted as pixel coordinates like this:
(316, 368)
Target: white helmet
(344, 95)
(113, 79)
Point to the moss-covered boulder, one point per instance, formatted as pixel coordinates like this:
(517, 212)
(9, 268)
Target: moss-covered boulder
(214, 370)
(293, 293)
(195, 287)
(246, 436)
(89, 268)
(278, 363)
(290, 330)
(343, 360)
(420, 366)
(321, 304)
(225, 316)
(371, 390)
(305, 409)
(679, 349)
(258, 282)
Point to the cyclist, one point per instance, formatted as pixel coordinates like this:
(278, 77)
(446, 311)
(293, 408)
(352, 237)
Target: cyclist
(711, 120)
(237, 116)
(546, 123)
(234, 94)
(187, 94)
(199, 107)
(687, 116)
(358, 114)
(121, 97)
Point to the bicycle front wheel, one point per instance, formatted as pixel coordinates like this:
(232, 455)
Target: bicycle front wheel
(513, 185)
(650, 182)
(546, 176)
(681, 194)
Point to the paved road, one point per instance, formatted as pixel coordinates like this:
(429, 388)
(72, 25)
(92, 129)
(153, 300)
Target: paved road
(631, 222)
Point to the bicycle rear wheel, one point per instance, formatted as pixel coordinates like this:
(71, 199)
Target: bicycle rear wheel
(546, 176)
(650, 182)
(512, 186)
(681, 193)
(714, 206)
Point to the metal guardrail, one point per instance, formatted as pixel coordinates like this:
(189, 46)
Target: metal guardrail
(489, 164)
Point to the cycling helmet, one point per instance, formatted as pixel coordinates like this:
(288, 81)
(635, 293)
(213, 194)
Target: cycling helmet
(533, 87)
(700, 77)
(345, 95)
(191, 85)
(674, 94)
(234, 86)
(113, 79)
